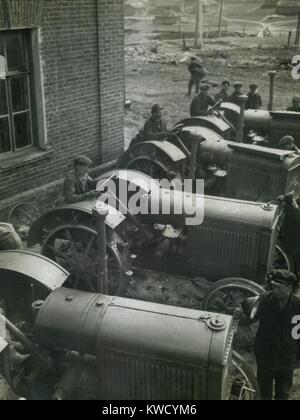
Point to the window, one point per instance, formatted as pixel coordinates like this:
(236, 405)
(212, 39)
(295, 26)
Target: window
(15, 92)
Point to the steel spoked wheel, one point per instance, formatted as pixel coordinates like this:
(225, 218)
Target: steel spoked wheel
(226, 296)
(22, 216)
(244, 386)
(282, 260)
(75, 249)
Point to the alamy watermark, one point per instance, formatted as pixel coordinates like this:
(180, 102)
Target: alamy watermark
(143, 196)
(296, 329)
(296, 67)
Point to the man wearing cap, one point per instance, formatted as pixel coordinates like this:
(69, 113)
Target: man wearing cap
(223, 94)
(254, 98)
(276, 349)
(9, 239)
(197, 74)
(288, 143)
(78, 185)
(201, 103)
(155, 127)
(238, 91)
(295, 107)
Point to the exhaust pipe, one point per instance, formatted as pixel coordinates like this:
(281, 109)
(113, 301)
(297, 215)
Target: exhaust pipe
(241, 123)
(272, 75)
(100, 213)
(196, 142)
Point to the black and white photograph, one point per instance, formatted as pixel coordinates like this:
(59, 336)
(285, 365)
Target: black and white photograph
(149, 203)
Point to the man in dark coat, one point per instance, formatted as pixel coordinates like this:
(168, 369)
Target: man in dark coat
(78, 185)
(276, 347)
(155, 127)
(201, 103)
(238, 91)
(223, 95)
(197, 74)
(295, 107)
(254, 98)
(288, 143)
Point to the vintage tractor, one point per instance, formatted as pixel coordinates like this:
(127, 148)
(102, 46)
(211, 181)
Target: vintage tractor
(238, 241)
(109, 348)
(248, 172)
(263, 127)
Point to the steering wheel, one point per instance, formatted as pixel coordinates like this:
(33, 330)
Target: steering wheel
(215, 107)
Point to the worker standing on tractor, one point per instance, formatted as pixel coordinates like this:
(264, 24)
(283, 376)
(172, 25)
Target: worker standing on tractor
(78, 185)
(254, 98)
(276, 349)
(238, 91)
(201, 103)
(197, 72)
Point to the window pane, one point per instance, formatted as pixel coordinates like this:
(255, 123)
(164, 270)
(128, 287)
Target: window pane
(15, 52)
(3, 101)
(4, 136)
(22, 130)
(19, 94)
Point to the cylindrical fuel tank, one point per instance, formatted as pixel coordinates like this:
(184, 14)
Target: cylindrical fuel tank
(144, 350)
(258, 120)
(275, 124)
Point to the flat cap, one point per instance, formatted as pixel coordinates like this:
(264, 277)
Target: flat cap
(204, 87)
(83, 161)
(238, 84)
(283, 277)
(286, 140)
(253, 86)
(156, 108)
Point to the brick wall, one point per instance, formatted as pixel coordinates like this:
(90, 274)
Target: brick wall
(82, 58)
(112, 83)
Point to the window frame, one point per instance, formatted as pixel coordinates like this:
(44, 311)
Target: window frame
(27, 73)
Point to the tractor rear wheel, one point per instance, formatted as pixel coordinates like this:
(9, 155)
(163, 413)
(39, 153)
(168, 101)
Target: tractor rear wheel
(227, 295)
(74, 247)
(244, 386)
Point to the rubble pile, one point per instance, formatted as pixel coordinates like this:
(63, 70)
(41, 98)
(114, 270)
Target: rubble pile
(261, 62)
(264, 62)
(139, 54)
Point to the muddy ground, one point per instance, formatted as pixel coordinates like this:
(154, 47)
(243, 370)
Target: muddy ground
(162, 78)
(245, 60)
